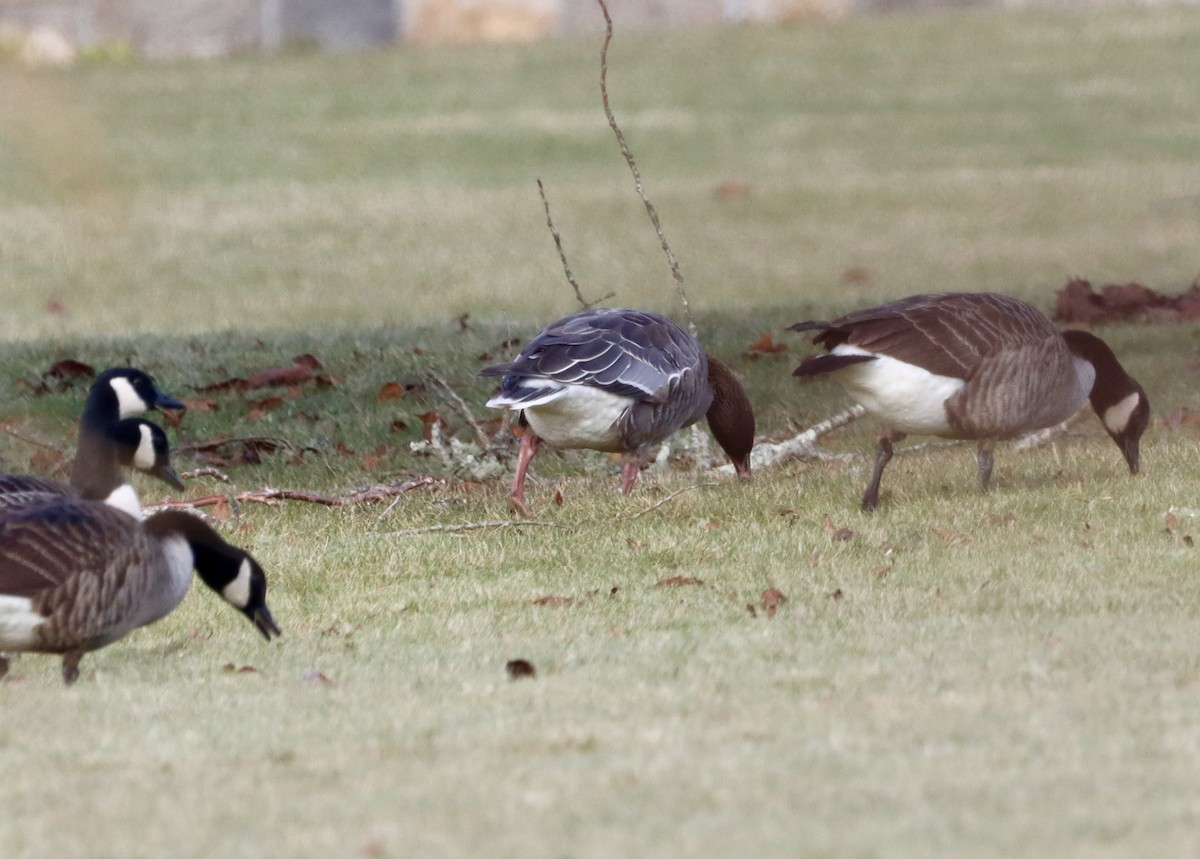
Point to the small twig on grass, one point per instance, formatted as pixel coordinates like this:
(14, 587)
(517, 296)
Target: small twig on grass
(481, 437)
(1032, 440)
(637, 177)
(803, 446)
(587, 305)
(468, 526)
(7, 427)
(266, 441)
(271, 496)
(673, 496)
(207, 471)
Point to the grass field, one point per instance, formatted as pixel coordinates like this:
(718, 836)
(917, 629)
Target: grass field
(1016, 674)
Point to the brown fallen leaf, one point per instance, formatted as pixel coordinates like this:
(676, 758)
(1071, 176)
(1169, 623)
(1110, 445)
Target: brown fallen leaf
(518, 668)
(837, 594)
(857, 275)
(230, 668)
(676, 581)
(552, 599)
(56, 307)
(69, 368)
(558, 497)
(635, 544)
(278, 377)
(833, 530)
(772, 598)
(390, 391)
(766, 345)
(432, 419)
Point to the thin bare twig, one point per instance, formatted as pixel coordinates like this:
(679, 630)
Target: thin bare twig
(469, 526)
(587, 305)
(207, 471)
(1032, 440)
(481, 437)
(637, 177)
(7, 427)
(271, 496)
(673, 496)
(803, 446)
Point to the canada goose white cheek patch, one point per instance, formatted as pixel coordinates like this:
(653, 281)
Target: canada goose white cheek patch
(144, 457)
(128, 400)
(237, 592)
(17, 621)
(1116, 417)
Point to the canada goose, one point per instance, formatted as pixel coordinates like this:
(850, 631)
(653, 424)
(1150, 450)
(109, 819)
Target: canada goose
(973, 366)
(619, 380)
(116, 394)
(76, 575)
(134, 442)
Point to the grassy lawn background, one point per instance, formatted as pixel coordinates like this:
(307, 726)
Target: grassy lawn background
(1010, 674)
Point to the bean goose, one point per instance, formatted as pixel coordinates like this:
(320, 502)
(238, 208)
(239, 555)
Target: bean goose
(76, 576)
(973, 366)
(622, 381)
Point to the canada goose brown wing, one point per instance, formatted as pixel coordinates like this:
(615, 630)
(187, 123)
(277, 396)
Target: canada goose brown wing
(948, 334)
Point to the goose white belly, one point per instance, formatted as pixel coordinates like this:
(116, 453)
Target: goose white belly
(17, 622)
(903, 396)
(580, 416)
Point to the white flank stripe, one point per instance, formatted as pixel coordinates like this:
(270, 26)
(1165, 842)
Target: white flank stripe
(17, 622)
(903, 396)
(1116, 417)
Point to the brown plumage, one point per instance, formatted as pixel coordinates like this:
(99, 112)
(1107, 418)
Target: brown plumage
(976, 366)
(76, 575)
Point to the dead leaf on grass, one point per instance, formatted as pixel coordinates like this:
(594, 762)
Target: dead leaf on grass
(676, 581)
(834, 531)
(518, 668)
(765, 345)
(390, 391)
(772, 598)
(554, 600)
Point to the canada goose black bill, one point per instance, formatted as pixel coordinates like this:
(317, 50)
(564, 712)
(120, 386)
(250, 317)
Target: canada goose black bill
(76, 576)
(976, 366)
(621, 381)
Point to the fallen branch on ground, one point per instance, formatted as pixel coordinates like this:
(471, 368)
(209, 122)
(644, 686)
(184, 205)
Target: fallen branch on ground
(272, 496)
(468, 526)
(803, 446)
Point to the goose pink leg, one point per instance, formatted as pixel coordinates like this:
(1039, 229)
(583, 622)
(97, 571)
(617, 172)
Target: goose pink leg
(529, 446)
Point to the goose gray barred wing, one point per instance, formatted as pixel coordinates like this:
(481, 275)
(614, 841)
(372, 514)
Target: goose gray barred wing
(629, 353)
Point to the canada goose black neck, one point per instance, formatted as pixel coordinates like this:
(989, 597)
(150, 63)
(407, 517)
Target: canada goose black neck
(1116, 397)
(730, 417)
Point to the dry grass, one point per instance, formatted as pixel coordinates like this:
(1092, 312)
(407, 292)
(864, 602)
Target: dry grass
(1009, 674)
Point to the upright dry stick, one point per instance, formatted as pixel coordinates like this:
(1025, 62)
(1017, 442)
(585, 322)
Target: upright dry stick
(637, 177)
(587, 305)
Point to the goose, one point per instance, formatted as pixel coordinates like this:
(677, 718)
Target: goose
(134, 442)
(975, 366)
(76, 576)
(619, 380)
(116, 394)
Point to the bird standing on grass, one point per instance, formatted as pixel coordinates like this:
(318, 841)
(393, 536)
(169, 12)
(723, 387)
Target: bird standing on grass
(973, 366)
(619, 380)
(76, 575)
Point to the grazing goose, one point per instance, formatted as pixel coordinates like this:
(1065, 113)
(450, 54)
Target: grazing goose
(134, 442)
(973, 366)
(76, 576)
(619, 381)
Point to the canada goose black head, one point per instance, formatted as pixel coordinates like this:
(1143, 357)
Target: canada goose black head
(123, 392)
(231, 572)
(142, 444)
(1116, 397)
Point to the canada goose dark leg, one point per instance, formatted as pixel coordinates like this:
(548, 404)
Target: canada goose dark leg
(3, 667)
(883, 455)
(70, 668)
(529, 446)
(984, 456)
